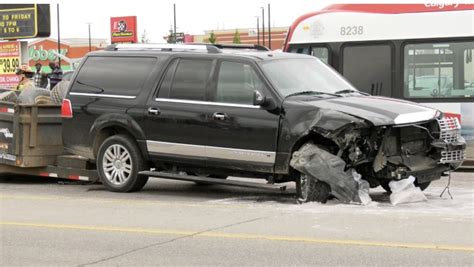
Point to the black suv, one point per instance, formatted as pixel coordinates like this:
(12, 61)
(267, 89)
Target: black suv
(216, 111)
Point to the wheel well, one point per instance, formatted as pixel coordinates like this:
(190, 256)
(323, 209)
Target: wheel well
(106, 133)
(316, 139)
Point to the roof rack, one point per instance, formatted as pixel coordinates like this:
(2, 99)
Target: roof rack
(165, 47)
(192, 47)
(242, 46)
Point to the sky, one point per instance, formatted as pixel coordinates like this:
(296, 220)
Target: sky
(156, 17)
(193, 17)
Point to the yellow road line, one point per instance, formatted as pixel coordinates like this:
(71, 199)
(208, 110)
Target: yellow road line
(242, 236)
(127, 202)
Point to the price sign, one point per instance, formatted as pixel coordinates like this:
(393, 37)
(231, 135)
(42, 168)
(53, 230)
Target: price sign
(10, 60)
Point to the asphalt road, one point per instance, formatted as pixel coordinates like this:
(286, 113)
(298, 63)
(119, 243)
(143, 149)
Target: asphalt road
(44, 223)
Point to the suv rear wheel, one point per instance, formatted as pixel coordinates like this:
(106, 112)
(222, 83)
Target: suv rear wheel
(118, 162)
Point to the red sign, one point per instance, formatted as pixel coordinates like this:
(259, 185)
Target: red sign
(123, 29)
(10, 60)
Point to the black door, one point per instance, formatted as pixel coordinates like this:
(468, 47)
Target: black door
(369, 68)
(241, 135)
(176, 117)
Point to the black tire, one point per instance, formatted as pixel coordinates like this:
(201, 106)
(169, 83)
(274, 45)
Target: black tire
(129, 166)
(58, 93)
(309, 189)
(422, 186)
(28, 96)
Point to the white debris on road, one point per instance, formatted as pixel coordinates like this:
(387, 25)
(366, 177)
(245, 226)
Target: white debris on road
(364, 187)
(405, 191)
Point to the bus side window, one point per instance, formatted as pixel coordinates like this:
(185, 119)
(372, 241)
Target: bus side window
(322, 53)
(439, 70)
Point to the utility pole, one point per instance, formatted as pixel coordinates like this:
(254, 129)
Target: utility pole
(263, 25)
(59, 39)
(258, 30)
(90, 40)
(174, 25)
(269, 30)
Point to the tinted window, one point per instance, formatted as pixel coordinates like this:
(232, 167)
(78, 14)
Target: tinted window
(113, 75)
(190, 79)
(439, 70)
(369, 68)
(321, 52)
(236, 83)
(165, 87)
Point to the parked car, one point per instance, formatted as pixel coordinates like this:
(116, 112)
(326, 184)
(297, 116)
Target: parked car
(216, 111)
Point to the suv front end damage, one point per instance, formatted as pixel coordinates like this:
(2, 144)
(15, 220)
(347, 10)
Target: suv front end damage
(380, 153)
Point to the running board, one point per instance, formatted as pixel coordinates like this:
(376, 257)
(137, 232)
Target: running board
(208, 180)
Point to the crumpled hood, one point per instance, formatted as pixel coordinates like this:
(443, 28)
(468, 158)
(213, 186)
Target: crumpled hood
(378, 110)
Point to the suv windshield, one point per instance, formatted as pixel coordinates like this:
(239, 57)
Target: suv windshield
(291, 76)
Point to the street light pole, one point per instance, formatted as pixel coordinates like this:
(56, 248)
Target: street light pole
(174, 20)
(258, 30)
(263, 25)
(90, 41)
(59, 38)
(269, 30)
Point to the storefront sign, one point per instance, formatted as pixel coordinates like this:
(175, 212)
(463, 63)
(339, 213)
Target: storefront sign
(123, 29)
(40, 54)
(19, 21)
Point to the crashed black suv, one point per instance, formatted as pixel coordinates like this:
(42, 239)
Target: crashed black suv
(220, 111)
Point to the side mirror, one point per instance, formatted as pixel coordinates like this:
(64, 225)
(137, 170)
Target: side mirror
(258, 98)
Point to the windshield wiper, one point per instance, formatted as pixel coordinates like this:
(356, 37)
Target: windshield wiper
(311, 93)
(348, 91)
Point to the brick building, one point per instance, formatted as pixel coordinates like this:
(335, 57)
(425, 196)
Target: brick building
(41, 50)
(247, 36)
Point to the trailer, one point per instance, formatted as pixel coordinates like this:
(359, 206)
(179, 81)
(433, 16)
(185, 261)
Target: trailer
(31, 144)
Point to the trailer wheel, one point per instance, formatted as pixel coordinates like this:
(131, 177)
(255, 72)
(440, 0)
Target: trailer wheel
(309, 189)
(118, 162)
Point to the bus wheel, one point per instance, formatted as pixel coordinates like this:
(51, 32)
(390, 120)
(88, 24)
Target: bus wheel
(118, 162)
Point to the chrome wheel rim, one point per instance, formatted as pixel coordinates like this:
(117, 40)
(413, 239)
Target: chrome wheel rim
(117, 164)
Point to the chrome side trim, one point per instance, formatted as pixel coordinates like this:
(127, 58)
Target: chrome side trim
(105, 95)
(211, 152)
(206, 103)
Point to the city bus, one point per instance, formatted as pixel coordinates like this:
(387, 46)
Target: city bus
(416, 52)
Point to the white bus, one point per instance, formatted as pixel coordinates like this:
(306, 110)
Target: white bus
(418, 52)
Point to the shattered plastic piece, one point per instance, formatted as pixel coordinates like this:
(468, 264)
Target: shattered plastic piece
(364, 187)
(326, 167)
(404, 191)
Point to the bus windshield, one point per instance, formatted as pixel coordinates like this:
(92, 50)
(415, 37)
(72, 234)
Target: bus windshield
(292, 76)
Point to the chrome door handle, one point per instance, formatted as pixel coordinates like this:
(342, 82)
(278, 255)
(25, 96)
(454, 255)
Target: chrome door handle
(219, 116)
(154, 111)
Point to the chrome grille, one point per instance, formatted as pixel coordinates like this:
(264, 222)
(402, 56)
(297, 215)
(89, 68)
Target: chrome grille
(452, 156)
(449, 129)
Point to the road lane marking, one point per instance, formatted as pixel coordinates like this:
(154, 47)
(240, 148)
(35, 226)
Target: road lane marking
(128, 202)
(241, 236)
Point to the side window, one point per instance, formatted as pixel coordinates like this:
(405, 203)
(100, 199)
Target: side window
(113, 75)
(300, 50)
(190, 79)
(236, 83)
(165, 86)
(439, 70)
(322, 53)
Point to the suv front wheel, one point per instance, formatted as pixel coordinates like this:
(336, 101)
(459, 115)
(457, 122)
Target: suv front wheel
(118, 162)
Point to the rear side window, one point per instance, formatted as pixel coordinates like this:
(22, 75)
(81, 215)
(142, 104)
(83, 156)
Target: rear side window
(190, 79)
(113, 75)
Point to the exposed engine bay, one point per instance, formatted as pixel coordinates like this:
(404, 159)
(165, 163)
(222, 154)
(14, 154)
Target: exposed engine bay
(381, 154)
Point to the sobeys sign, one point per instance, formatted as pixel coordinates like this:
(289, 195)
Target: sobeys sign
(39, 54)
